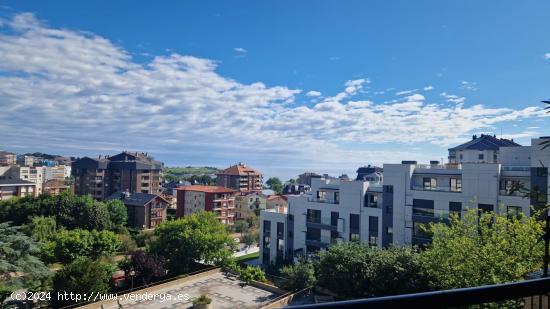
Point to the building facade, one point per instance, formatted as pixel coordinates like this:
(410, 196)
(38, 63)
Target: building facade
(10, 188)
(333, 211)
(276, 202)
(482, 149)
(241, 178)
(195, 198)
(55, 187)
(246, 204)
(145, 211)
(134, 172)
(7, 158)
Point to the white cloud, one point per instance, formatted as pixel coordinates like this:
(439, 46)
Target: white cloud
(428, 88)
(547, 56)
(89, 94)
(240, 50)
(453, 98)
(472, 86)
(404, 92)
(313, 93)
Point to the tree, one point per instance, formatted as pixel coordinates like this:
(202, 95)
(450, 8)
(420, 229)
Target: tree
(355, 270)
(70, 245)
(41, 228)
(483, 249)
(118, 214)
(275, 184)
(82, 276)
(291, 181)
(298, 276)
(250, 238)
(148, 266)
(19, 254)
(184, 242)
(241, 226)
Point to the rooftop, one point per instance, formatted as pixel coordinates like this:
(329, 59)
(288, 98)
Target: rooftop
(485, 142)
(240, 169)
(209, 189)
(134, 199)
(11, 182)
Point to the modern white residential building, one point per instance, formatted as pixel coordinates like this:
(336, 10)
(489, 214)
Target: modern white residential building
(333, 211)
(419, 194)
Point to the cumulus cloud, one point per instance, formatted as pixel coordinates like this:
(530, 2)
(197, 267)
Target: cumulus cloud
(405, 92)
(240, 50)
(428, 88)
(547, 56)
(66, 88)
(313, 93)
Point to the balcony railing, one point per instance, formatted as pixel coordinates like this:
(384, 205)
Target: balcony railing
(319, 200)
(437, 189)
(534, 292)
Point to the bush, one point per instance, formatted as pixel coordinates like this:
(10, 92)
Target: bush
(250, 273)
(202, 300)
(298, 276)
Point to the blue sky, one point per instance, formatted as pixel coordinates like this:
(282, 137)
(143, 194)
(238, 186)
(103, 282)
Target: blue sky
(285, 86)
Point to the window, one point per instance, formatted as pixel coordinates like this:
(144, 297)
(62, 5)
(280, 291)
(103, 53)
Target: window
(334, 218)
(267, 241)
(389, 230)
(313, 216)
(373, 230)
(423, 208)
(542, 171)
(280, 230)
(429, 183)
(460, 157)
(480, 156)
(455, 208)
(336, 197)
(321, 195)
(313, 234)
(371, 200)
(280, 245)
(388, 189)
(484, 207)
(354, 222)
(354, 237)
(513, 211)
(456, 185)
(267, 226)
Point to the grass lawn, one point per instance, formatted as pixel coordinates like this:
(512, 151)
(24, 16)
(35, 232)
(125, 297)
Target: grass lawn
(248, 257)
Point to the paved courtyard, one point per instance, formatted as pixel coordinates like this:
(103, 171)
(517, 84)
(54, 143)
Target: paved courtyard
(226, 292)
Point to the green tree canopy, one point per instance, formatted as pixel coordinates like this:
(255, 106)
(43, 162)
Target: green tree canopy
(199, 237)
(298, 276)
(241, 226)
(68, 245)
(275, 184)
(355, 270)
(19, 262)
(41, 228)
(479, 250)
(82, 276)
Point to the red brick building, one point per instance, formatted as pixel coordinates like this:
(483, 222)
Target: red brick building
(221, 200)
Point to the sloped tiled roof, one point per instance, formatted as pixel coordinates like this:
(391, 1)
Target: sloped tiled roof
(135, 199)
(239, 169)
(486, 142)
(209, 189)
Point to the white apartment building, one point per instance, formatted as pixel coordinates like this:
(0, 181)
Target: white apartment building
(333, 211)
(482, 174)
(419, 194)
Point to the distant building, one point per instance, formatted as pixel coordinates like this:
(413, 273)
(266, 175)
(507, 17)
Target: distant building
(24, 160)
(482, 149)
(293, 189)
(34, 174)
(241, 178)
(276, 201)
(135, 172)
(369, 173)
(305, 178)
(217, 199)
(7, 158)
(16, 188)
(145, 211)
(55, 187)
(59, 172)
(246, 204)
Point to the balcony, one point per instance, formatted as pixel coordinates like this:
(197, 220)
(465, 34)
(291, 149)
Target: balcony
(533, 292)
(324, 201)
(324, 223)
(437, 189)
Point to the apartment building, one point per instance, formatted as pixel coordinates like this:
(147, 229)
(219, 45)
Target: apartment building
(482, 149)
(58, 172)
(241, 178)
(127, 171)
(7, 158)
(417, 194)
(145, 211)
(333, 211)
(55, 187)
(16, 188)
(245, 204)
(276, 202)
(195, 198)
(305, 178)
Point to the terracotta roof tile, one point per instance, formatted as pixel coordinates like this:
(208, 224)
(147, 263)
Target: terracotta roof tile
(209, 189)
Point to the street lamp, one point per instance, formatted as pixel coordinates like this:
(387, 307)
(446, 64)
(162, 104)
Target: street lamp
(546, 244)
(132, 274)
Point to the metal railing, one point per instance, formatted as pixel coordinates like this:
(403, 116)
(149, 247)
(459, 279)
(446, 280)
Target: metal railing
(449, 298)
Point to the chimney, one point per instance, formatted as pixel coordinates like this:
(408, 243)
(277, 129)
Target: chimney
(474, 137)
